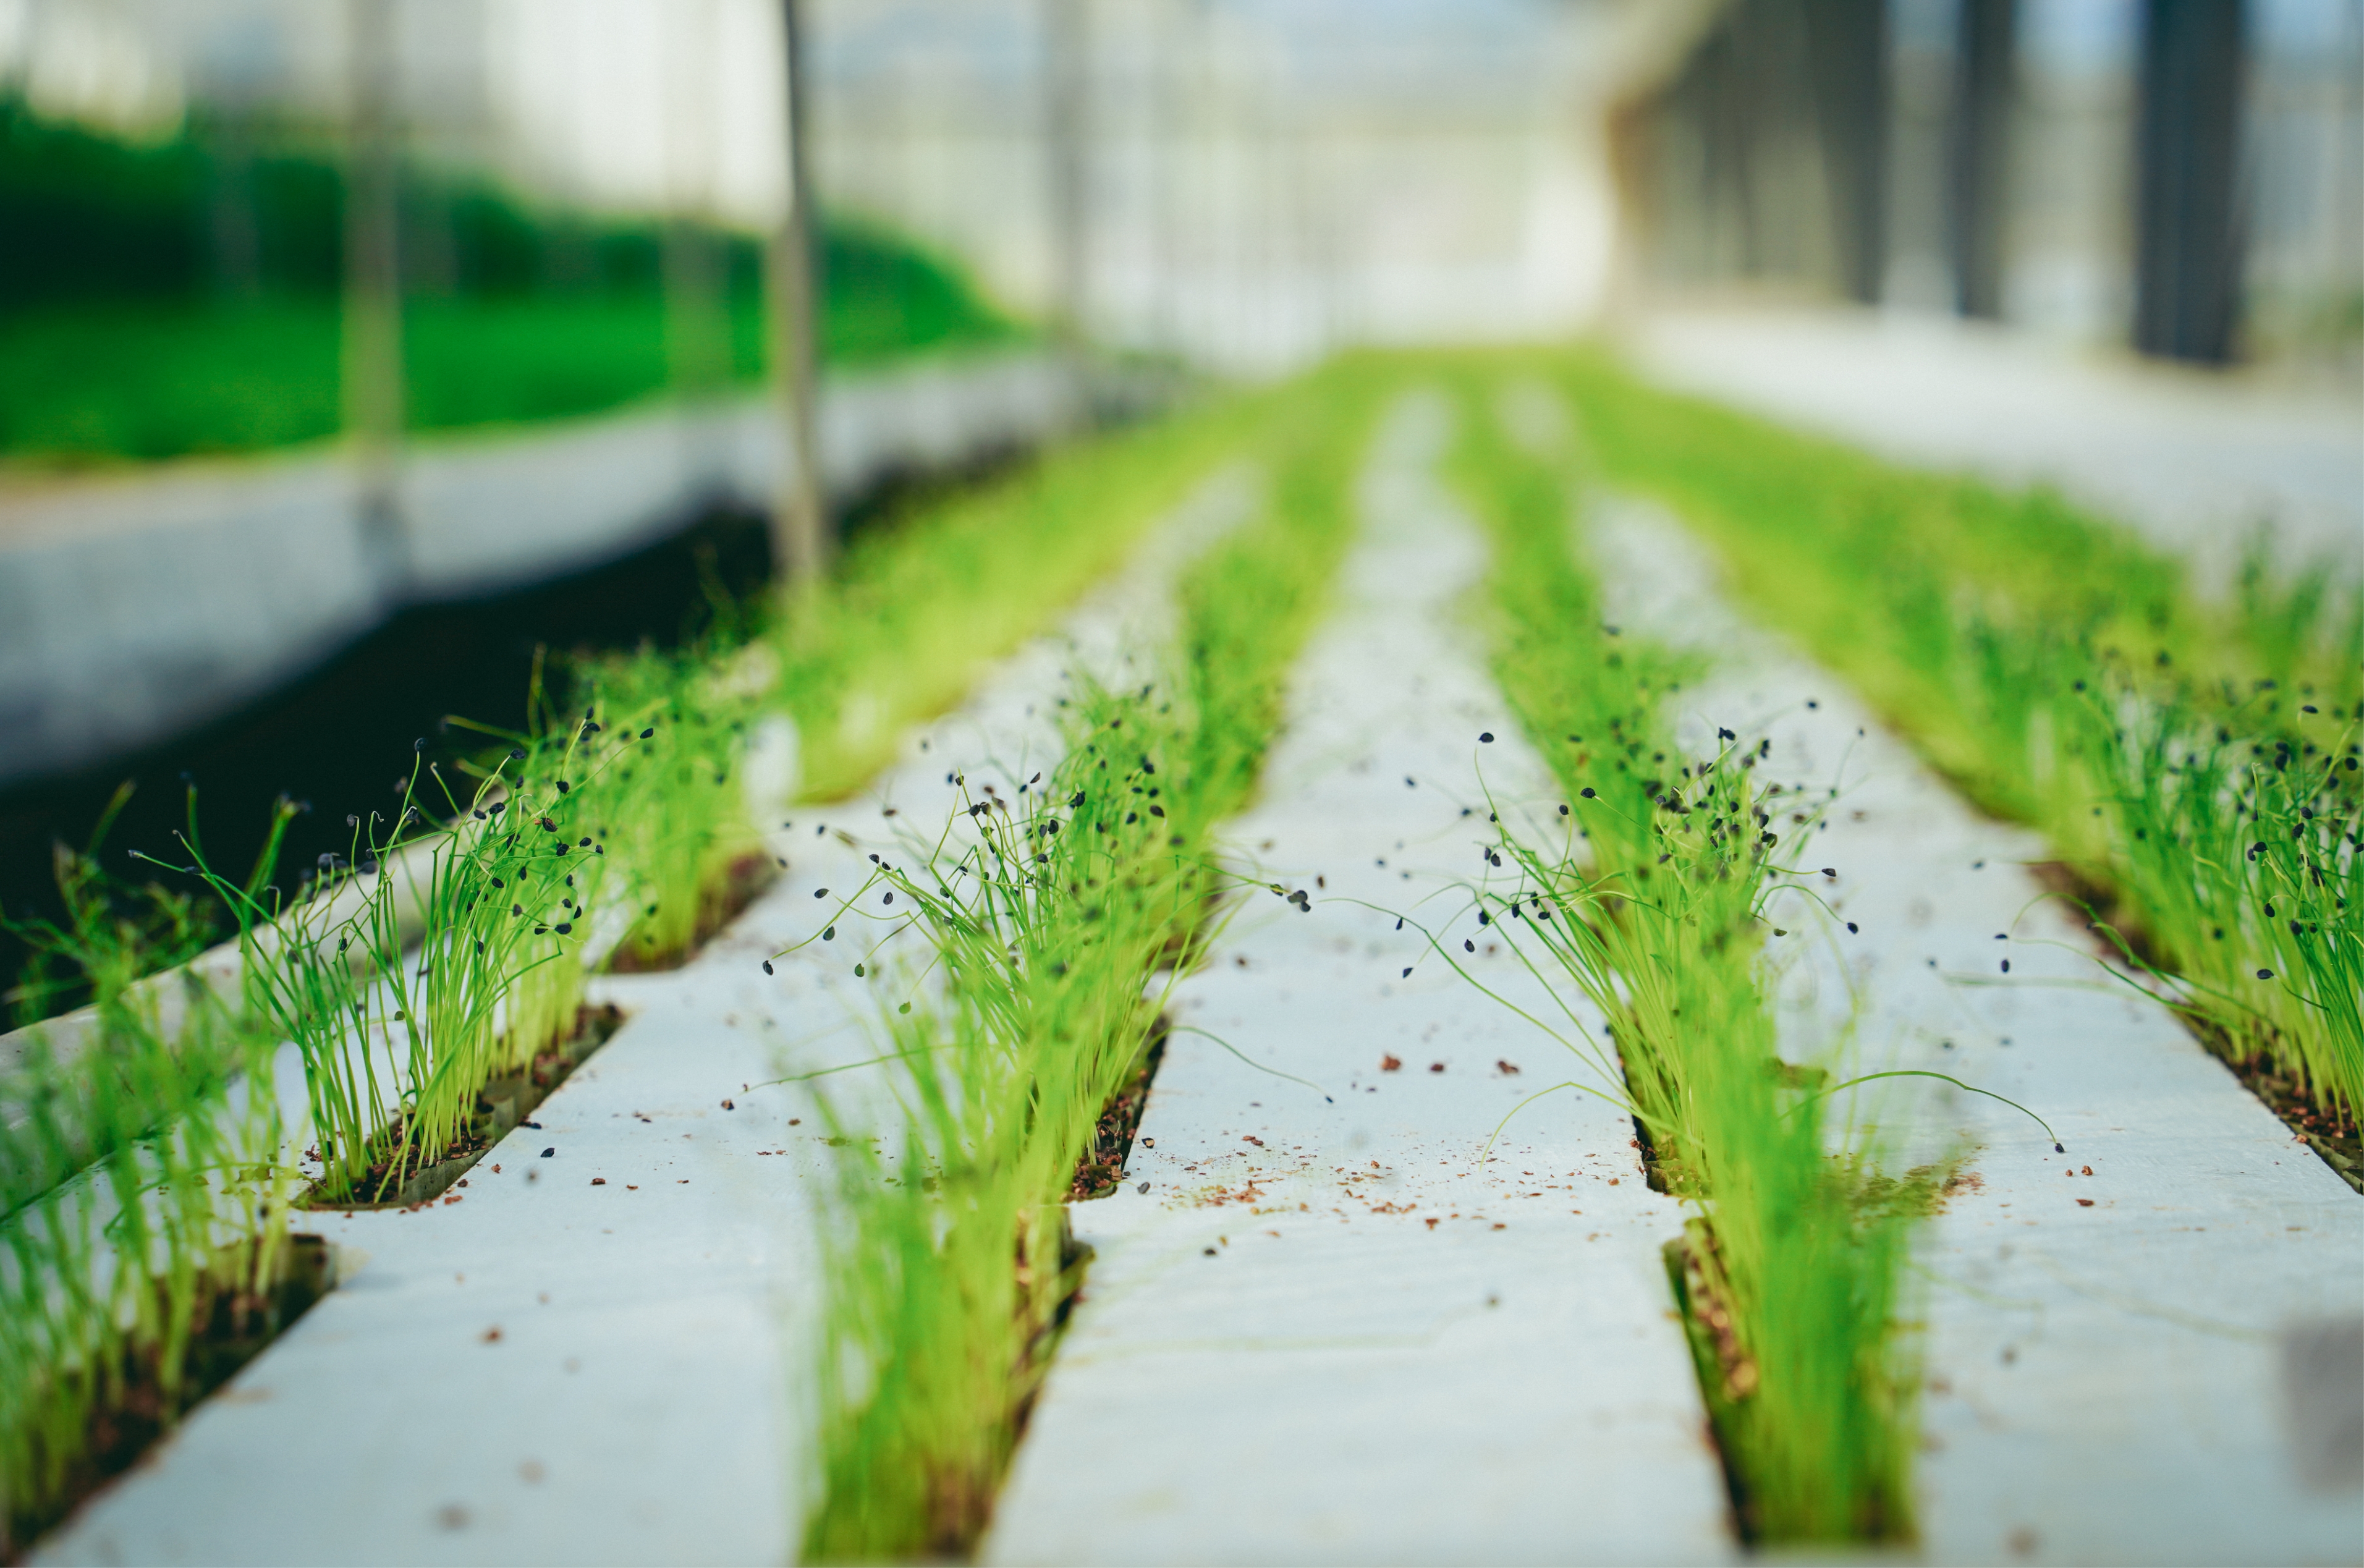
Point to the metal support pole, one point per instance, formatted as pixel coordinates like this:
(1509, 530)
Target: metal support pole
(2188, 250)
(800, 536)
(1065, 87)
(1985, 79)
(1849, 55)
(372, 367)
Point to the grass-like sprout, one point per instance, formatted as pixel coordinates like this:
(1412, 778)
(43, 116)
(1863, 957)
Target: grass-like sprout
(1789, 1279)
(2195, 766)
(427, 977)
(683, 847)
(919, 603)
(2238, 858)
(399, 1041)
(1043, 914)
(1049, 911)
(140, 1254)
(60, 1116)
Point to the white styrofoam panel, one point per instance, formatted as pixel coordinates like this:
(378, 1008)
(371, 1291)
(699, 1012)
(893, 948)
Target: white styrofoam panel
(645, 1398)
(636, 1405)
(2103, 1352)
(1326, 1333)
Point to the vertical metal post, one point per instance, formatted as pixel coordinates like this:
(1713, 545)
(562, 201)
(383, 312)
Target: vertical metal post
(1847, 49)
(800, 536)
(1985, 83)
(2187, 247)
(1065, 86)
(371, 365)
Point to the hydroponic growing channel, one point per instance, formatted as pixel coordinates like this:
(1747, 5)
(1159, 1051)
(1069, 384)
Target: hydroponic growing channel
(1309, 980)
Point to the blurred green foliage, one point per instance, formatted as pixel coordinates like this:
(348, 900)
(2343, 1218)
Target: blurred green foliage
(131, 328)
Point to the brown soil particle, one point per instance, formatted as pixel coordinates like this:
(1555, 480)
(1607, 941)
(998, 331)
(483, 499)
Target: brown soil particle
(1102, 1170)
(2335, 1140)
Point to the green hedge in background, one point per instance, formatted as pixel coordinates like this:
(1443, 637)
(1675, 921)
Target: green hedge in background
(130, 328)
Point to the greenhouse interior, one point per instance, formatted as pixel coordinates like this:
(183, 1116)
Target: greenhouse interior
(1662, 631)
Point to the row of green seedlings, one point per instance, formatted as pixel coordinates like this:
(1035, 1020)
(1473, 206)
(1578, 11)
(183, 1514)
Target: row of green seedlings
(2237, 862)
(432, 980)
(109, 938)
(1055, 917)
(923, 601)
(405, 1069)
(1651, 913)
(141, 1258)
(919, 603)
(146, 1174)
(2196, 766)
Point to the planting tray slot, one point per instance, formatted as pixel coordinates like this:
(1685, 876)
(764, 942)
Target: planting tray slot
(501, 1105)
(229, 1331)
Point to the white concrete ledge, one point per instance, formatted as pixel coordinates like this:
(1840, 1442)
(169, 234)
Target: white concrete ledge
(132, 610)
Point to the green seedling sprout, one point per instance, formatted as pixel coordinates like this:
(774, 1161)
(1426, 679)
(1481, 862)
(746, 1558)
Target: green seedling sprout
(2192, 762)
(1651, 912)
(400, 1040)
(920, 607)
(1048, 912)
(61, 1116)
(139, 1218)
(1043, 919)
(682, 832)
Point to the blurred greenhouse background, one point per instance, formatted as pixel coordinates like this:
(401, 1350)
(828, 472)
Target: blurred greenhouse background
(349, 342)
(1242, 184)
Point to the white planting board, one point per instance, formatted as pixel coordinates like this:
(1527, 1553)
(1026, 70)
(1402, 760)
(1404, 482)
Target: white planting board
(1394, 1354)
(2104, 1381)
(1365, 1368)
(643, 1401)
